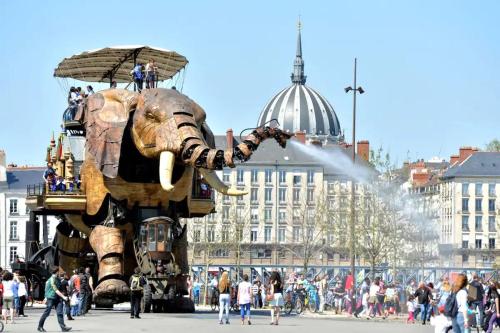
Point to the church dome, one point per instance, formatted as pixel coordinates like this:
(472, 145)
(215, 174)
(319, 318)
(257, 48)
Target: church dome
(301, 108)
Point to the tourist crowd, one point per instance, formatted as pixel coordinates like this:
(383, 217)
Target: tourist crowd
(56, 183)
(70, 296)
(450, 307)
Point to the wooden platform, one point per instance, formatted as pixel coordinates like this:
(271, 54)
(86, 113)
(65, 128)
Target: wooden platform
(57, 202)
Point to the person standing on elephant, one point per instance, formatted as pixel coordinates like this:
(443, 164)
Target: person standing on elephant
(150, 74)
(54, 299)
(137, 283)
(138, 76)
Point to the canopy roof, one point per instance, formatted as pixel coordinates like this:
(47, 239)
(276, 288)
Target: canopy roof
(116, 62)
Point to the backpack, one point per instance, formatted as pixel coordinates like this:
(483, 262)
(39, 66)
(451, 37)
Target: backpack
(451, 306)
(472, 293)
(135, 284)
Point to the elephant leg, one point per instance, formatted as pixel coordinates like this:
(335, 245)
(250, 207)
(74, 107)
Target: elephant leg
(179, 249)
(108, 244)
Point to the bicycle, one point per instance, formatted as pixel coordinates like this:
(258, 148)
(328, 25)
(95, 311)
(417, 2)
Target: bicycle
(214, 300)
(295, 300)
(1, 326)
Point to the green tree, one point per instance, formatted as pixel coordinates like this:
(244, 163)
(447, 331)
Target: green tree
(493, 145)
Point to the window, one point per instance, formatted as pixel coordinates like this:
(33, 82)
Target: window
(267, 214)
(465, 258)
(310, 215)
(479, 243)
(310, 233)
(13, 253)
(239, 213)
(27, 211)
(310, 195)
(465, 189)
(491, 243)
(491, 190)
(479, 189)
(491, 205)
(465, 223)
(13, 207)
(197, 236)
(239, 176)
(225, 235)
(261, 253)
(253, 235)
(479, 205)
(465, 204)
(211, 217)
(13, 230)
(239, 199)
(211, 235)
(226, 199)
(296, 234)
(297, 179)
(296, 216)
(220, 253)
(491, 223)
(225, 212)
(253, 194)
(281, 235)
(268, 194)
(269, 175)
(310, 177)
(254, 215)
(478, 224)
(255, 174)
(282, 176)
(226, 176)
(296, 195)
(465, 244)
(282, 216)
(267, 234)
(282, 195)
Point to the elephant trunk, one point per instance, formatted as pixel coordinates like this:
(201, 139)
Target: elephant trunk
(201, 156)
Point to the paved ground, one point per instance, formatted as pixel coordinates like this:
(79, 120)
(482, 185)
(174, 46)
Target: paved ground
(206, 322)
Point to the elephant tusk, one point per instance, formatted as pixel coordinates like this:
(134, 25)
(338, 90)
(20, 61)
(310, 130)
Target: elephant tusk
(217, 184)
(167, 160)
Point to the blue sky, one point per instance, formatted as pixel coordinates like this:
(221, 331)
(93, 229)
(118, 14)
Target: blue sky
(430, 69)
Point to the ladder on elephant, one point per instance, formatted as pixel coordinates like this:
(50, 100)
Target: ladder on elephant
(143, 258)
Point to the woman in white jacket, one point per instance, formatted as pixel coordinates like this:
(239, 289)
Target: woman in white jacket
(23, 296)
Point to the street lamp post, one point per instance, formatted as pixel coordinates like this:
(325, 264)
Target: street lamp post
(352, 245)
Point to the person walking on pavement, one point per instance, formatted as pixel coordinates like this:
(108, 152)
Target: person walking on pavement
(137, 283)
(275, 296)
(224, 296)
(53, 298)
(423, 296)
(64, 289)
(245, 298)
(85, 291)
(476, 296)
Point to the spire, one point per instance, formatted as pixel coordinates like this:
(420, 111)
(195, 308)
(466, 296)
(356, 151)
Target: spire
(298, 76)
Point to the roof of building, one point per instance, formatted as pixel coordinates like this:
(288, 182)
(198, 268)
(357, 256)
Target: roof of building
(479, 164)
(270, 153)
(299, 107)
(20, 178)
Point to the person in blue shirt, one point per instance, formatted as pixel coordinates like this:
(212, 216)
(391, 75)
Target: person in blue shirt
(138, 76)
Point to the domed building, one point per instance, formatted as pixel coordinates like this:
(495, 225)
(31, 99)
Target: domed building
(301, 108)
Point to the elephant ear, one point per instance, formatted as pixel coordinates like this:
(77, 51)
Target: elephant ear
(208, 135)
(106, 117)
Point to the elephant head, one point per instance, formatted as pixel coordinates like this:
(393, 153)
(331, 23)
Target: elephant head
(165, 125)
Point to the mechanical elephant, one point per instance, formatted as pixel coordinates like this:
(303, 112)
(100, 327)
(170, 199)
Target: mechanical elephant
(141, 151)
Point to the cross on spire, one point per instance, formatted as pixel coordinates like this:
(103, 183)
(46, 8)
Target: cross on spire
(298, 76)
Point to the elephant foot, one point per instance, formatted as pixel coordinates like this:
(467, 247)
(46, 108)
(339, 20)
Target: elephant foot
(111, 289)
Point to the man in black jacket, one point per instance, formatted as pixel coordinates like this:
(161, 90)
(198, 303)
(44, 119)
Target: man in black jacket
(423, 294)
(477, 299)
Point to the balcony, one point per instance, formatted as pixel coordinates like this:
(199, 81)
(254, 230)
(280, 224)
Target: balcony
(39, 197)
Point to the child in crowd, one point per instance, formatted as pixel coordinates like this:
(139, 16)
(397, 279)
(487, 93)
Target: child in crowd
(411, 309)
(441, 323)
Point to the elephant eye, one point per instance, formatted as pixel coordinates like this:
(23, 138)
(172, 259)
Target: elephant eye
(150, 115)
